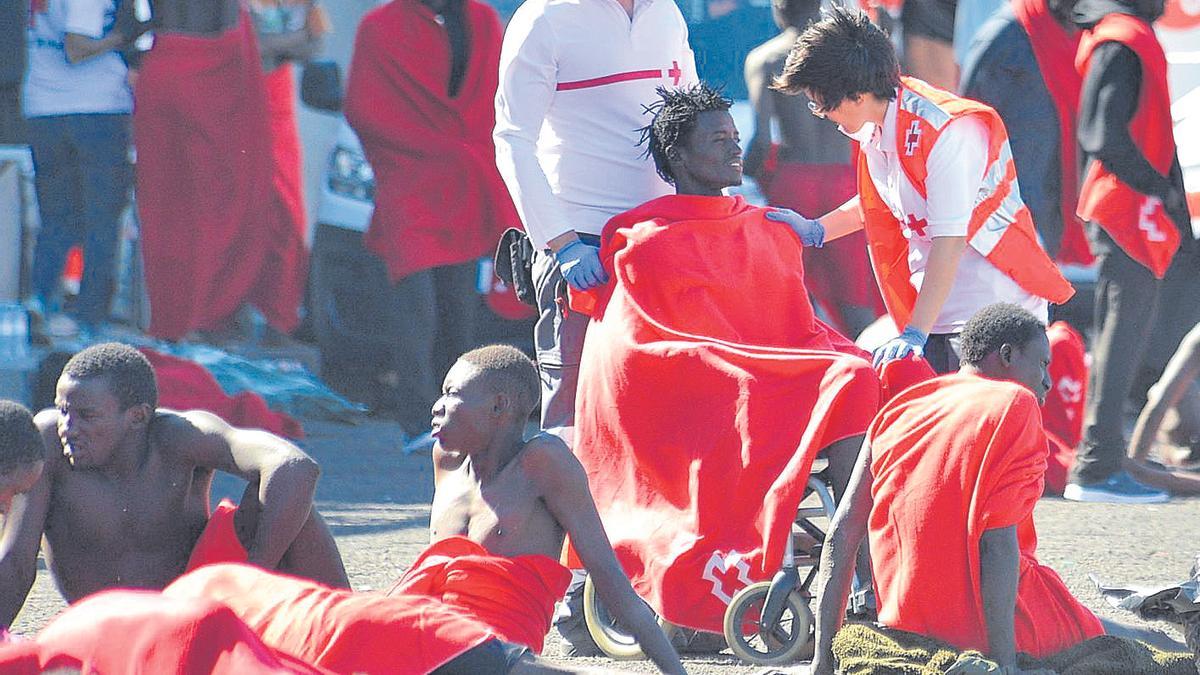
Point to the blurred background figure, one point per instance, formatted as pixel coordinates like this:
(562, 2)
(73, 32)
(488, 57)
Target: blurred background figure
(809, 170)
(928, 30)
(14, 19)
(77, 104)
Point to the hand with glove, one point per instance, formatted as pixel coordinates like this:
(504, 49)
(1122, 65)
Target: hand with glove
(908, 342)
(811, 232)
(580, 265)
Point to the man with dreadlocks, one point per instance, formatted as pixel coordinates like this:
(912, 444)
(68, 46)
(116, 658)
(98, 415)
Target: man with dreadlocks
(713, 339)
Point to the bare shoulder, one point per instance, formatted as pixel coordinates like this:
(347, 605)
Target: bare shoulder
(548, 462)
(767, 59)
(175, 432)
(46, 422)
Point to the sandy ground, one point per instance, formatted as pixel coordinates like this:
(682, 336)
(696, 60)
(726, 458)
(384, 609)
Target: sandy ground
(377, 502)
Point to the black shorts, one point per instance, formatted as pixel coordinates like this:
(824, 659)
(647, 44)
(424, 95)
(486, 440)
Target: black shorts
(933, 19)
(494, 656)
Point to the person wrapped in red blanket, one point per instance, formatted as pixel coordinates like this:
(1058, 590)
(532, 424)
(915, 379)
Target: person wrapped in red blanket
(945, 489)
(707, 386)
(211, 241)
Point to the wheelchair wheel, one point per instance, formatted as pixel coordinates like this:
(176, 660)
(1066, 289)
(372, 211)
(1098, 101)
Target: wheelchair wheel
(767, 645)
(612, 639)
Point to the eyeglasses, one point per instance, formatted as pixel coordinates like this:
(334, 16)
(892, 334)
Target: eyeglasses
(817, 110)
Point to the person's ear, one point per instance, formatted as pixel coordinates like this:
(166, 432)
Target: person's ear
(501, 404)
(1005, 353)
(140, 415)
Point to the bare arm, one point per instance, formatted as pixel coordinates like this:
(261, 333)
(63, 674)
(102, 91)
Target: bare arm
(758, 82)
(286, 476)
(81, 48)
(999, 560)
(1180, 374)
(845, 219)
(836, 571)
(939, 278)
(22, 527)
(563, 485)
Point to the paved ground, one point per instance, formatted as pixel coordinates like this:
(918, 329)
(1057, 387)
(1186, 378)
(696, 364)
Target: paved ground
(376, 501)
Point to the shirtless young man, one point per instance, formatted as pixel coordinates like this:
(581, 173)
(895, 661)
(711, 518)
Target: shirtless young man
(124, 494)
(20, 453)
(519, 497)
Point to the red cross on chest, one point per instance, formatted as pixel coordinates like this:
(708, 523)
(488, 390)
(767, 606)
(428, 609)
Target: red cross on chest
(917, 226)
(675, 73)
(911, 138)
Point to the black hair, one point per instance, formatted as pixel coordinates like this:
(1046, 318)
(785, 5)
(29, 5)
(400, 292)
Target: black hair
(797, 12)
(20, 442)
(839, 57)
(995, 325)
(508, 370)
(674, 119)
(130, 376)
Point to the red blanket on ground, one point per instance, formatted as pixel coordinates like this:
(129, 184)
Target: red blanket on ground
(339, 630)
(210, 240)
(705, 391)
(218, 543)
(439, 199)
(119, 631)
(951, 458)
(513, 596)
(187, 385)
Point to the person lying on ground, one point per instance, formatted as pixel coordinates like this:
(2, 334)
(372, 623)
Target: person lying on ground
(945, 488)
(347, 632)
(514, 500)
(124, 497)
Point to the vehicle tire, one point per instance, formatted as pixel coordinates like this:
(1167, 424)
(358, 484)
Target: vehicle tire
(784, 644)
(611, 638)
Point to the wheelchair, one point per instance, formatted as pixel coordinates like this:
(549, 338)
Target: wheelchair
(768, 623)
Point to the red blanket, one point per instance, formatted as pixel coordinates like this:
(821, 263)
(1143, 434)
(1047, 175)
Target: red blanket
(952, 458)
(218, 543)
(439, 199)
(123, 631)
(204, 176)
(340, 630)
(705, 391)
(187, 385)
(513, 596)
(1063, 410)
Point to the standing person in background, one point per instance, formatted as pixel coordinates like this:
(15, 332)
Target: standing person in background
(211, 239)
(289, 31)
(424, 109)
(937, 190)
(1022, 65)
(77, 104)
(14, 20)
(968, 19)
(1133, 198)
(928, 30)
(813, 174)
(574, 80)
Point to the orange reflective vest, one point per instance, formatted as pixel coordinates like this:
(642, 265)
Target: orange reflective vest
(1001, 228)
(1136, 221)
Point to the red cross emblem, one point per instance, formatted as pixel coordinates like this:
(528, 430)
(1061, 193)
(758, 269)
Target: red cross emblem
(915, 225)
(675, 73)
(911, 138)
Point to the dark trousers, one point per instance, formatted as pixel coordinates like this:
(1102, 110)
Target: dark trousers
(12, 122)
(1178, 313)
(1126, 299)
(558, 340)
(941, 351)
(437, 310)
(83, 179)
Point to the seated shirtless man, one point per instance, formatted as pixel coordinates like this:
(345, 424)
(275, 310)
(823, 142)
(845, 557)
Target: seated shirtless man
(516, 499)
(945, 488)
(124, 495)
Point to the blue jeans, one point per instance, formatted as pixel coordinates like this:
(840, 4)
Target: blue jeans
(83, 178)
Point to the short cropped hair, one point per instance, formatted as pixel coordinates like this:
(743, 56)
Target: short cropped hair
(839, 57)
(130, 376)
(995, 325)
(674, 119)
(508, 371)
(20, 443)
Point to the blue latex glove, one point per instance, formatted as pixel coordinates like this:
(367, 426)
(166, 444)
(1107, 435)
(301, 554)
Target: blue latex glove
(909, 342)
(811, 232)
(580, 265)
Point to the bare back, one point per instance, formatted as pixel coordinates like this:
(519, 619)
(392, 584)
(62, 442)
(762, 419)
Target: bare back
(508, 516)
(134, 532)
(195, 17)
(804, 138)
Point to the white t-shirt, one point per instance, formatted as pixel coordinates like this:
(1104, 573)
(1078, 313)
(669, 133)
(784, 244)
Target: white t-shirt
(574, 77)
(955, 170)
(53, 86)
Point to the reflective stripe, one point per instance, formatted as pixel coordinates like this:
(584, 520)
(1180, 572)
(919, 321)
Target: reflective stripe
(923, 108)
(995, 173)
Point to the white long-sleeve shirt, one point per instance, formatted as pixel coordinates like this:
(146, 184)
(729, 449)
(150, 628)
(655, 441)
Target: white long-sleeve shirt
(575, 76)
